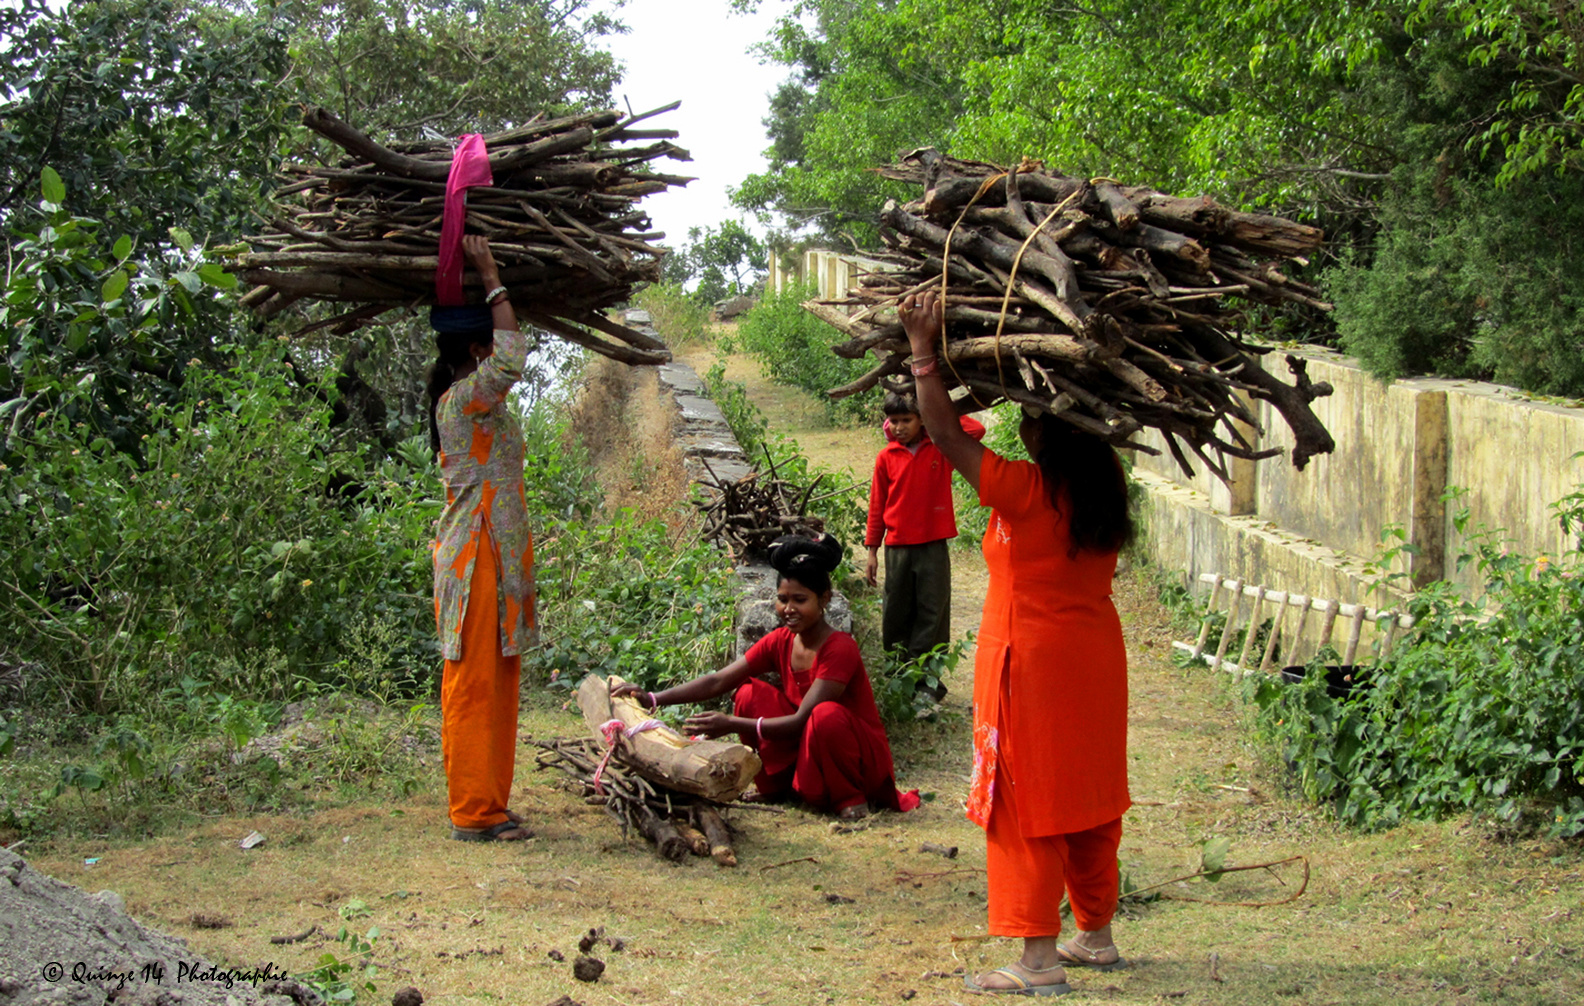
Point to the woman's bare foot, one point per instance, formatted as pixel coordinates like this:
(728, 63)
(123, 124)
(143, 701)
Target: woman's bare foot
(857, 812)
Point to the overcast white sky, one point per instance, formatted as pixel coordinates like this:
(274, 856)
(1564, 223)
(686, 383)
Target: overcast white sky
(697, 51)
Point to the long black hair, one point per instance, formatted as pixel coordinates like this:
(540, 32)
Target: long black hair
(1090, 471)
(809, 561)
(453, 350)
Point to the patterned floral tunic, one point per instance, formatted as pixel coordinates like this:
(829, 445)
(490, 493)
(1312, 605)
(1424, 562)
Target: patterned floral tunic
(481, 462)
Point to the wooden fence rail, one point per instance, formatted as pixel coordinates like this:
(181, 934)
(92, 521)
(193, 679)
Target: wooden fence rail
(1291, 617)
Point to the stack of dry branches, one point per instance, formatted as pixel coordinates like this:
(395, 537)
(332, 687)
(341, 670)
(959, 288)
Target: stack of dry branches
(675, 823)
(561, 217)
(1104, 304)
(748, 514)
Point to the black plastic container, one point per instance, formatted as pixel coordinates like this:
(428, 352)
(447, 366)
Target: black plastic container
(1341, 679)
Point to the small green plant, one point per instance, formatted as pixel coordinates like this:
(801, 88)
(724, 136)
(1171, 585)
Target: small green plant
(908, 688)
(343, 979)
(747, 423)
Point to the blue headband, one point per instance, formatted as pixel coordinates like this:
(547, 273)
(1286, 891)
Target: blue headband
(463, 319)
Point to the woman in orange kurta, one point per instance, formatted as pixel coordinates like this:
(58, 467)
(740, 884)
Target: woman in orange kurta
(1049, 782)
(483, 554)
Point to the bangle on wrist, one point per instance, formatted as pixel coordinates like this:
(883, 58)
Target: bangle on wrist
(930, 365)
(759, 730)
(654, 703)
(494, 295)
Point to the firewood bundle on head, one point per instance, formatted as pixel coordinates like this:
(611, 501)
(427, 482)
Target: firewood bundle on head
(1104, 304)
(561, 216)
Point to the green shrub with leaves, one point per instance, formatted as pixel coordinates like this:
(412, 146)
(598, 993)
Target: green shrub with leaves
(1479, 712)
(747, 423)
(217, 549)
(906, 688)
(628, 598)
(795, 348)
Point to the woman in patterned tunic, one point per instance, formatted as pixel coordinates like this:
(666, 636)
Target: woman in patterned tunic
(483, 553)
(1049, 783)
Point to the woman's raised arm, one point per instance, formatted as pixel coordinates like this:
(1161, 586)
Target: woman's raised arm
(924, 321)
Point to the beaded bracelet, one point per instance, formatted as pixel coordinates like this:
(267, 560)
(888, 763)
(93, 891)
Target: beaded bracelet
(494, 294)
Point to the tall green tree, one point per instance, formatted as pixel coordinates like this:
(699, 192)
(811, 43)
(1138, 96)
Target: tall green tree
(394, 67)
(132, 133)
(720, 261)
(1437, 143)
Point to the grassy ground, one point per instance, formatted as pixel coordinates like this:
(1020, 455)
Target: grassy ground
(1426, 914)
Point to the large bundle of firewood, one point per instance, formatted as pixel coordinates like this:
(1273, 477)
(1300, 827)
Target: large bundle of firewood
(1113, 307)
(561, 217)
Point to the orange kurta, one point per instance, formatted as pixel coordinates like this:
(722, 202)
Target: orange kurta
(1059, 719)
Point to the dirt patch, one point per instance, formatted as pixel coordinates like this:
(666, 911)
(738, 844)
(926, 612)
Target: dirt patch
(62, 945)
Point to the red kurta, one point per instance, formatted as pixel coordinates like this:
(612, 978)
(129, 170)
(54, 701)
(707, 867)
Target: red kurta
(843, 757)
(1049, 626)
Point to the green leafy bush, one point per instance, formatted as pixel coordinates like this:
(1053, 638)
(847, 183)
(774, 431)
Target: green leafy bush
(216, 550)
(628, 598)
(747, 423)
(1479, 712)
(905, 688)
(795, 347)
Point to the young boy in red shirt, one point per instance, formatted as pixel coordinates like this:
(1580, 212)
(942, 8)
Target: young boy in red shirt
(911, 512)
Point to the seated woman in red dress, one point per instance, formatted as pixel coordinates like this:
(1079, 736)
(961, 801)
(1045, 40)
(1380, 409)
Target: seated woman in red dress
(818, 732)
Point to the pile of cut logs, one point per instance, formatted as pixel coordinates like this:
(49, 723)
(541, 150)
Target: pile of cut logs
(747, 515)
(561, 217)
(1104, 304)
(654, 781)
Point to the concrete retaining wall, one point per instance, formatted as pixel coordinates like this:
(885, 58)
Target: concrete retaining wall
(1400, 447)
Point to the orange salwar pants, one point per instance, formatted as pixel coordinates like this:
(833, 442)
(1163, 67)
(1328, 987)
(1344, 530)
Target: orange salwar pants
(478, 705)
(1027, 875)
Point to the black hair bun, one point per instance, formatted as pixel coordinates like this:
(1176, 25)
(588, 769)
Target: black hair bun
(796, 553)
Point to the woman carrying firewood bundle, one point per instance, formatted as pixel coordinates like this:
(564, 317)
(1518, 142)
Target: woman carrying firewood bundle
(818, 733)
(483, 552)
(1049, 783)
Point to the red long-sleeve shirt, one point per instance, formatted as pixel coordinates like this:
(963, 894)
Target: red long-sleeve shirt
(910, 497)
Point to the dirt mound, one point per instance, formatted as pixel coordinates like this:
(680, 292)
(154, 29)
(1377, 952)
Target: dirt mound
(60, 945)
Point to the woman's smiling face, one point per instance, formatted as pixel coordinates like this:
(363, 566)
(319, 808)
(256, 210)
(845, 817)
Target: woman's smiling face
(797, 606)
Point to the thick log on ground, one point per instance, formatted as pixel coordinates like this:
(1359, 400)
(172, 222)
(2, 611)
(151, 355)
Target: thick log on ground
(1112, 307)
(716, 832)
(712, 769)
(561, 217)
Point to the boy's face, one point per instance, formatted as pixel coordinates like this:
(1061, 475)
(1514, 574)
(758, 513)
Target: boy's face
(906, 427)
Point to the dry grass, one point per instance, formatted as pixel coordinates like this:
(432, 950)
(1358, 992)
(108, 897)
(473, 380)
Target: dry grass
(1425, 914)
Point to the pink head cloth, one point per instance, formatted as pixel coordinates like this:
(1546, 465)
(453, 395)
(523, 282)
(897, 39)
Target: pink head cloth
(469, 167)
